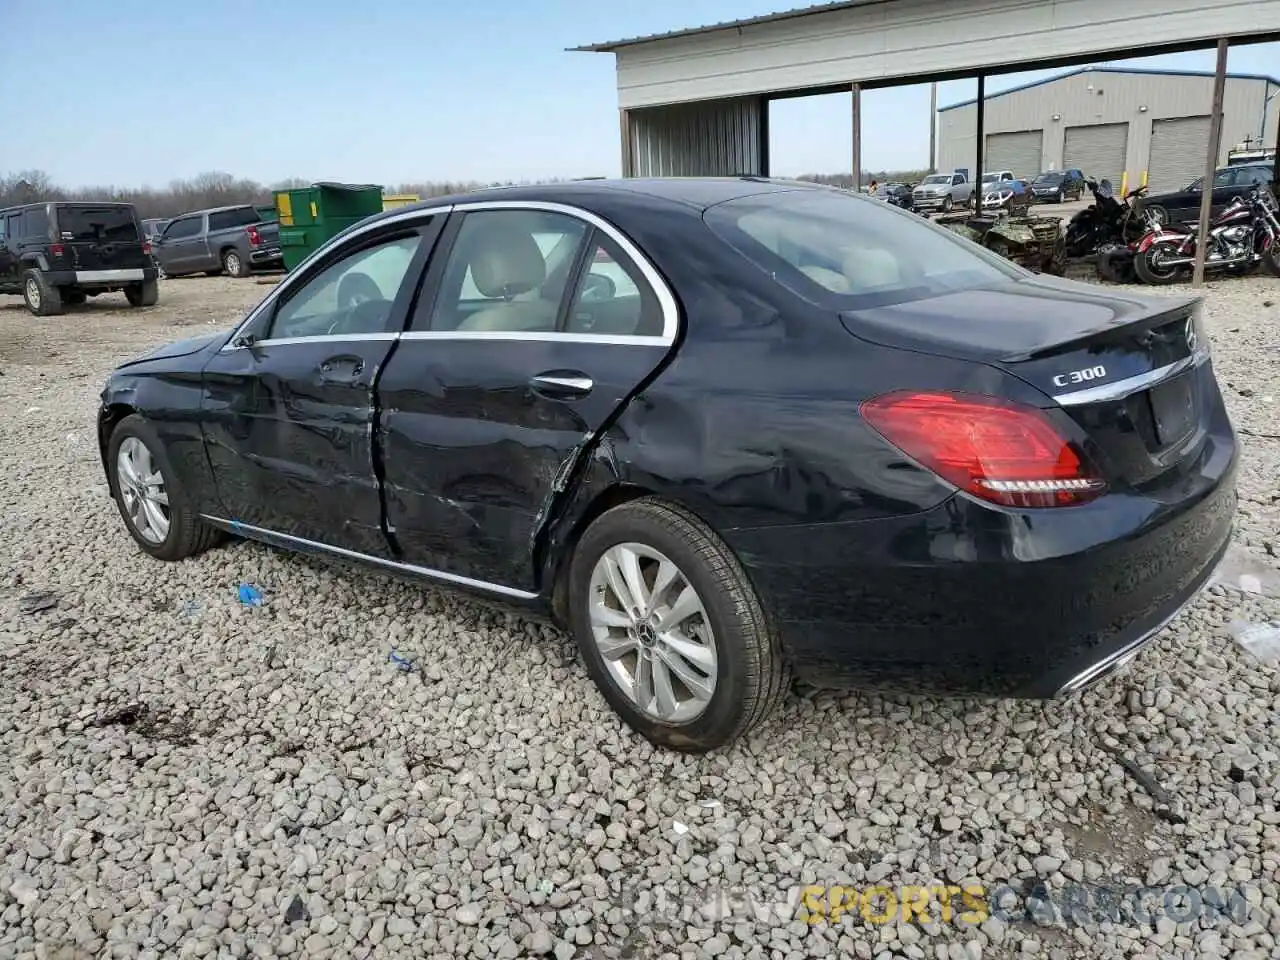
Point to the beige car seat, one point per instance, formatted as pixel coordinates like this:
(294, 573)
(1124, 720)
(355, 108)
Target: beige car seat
(505, 264)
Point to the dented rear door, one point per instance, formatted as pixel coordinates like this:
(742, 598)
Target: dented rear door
(489, 403)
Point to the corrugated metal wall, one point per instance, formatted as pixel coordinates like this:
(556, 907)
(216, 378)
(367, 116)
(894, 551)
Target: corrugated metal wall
(1177, 152)
(1019, 152)
(718, 138)
(1098, 149)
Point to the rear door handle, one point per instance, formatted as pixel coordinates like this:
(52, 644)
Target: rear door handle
(562, 384)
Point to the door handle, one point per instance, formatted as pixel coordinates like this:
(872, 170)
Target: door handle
(562, 384)
(340, 369)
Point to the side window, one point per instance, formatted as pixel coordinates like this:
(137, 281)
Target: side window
(35, 222)
(1250, 176)
(178, 229)
(507, 271)
(222, 220)
(957, 179)
(353, 295)
(612, 296)
(13, 226)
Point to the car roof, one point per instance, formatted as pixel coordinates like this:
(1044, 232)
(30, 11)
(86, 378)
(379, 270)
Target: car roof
(690, 193)
(231, 206)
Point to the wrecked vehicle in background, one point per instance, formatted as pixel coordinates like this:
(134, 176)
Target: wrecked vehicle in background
(1037, 243)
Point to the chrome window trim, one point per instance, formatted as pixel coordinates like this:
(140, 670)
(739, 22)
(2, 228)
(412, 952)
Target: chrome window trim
(661, 290)
(1130, 385)
(296, 277)
(453, 578)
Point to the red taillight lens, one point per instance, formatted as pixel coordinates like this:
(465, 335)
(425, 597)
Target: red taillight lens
(1003, 452)
(56, 249)
(146, 247)
(255, 238)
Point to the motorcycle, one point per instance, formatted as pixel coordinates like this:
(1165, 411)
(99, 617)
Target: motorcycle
(1244, 235)
(1106, 221)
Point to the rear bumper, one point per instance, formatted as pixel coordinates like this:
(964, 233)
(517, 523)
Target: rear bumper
(266, 257)
(101, 278)
(967, 599)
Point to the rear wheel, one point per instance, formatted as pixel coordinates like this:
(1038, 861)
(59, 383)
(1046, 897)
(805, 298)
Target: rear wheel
(1150, 268)
(144, 294)
(159, 514)
(234, 264)
(42, 298)
(670, 628)
(1271, 257)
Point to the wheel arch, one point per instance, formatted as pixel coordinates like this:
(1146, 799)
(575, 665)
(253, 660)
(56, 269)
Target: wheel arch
(109, 417)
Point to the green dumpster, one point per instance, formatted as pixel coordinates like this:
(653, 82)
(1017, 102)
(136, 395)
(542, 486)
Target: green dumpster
(311, 216)
(266, 211)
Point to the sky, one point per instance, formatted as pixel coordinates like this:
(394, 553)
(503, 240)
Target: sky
(140, 93)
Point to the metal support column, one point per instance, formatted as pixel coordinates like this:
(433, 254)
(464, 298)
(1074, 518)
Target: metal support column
(857, 136)
(764, 136)
(933, 127)
(1211, 163)
(628, 157)
(980, 140)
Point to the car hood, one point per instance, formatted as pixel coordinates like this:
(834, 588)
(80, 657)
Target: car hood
(180, 348)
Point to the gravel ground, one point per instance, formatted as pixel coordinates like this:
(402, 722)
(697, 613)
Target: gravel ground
(184, 775)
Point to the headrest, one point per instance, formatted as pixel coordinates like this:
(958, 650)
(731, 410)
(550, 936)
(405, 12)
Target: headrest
(505, 262)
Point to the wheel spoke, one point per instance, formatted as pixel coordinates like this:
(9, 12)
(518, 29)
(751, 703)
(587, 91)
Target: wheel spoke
(155, 518)
(159, 497)
(615, 648)
(700, 686)
(127, 468)
(696, 653)
(643, 683)
(618, 584)
(665, 703)
(629, 565)
(605, 616)
(686, 605)
(667, 575)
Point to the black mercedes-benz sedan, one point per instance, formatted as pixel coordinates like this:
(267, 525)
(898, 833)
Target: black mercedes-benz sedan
(726, 431)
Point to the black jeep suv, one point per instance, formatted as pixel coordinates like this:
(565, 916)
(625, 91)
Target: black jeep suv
(57, 254)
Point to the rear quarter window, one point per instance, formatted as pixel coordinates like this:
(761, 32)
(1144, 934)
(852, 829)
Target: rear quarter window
(34, 223)
(845, 251)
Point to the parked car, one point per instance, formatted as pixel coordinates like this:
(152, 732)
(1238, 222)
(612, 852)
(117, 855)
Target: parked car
(153, 227)
(1228, 183)
(234, 240)
(1012, 196)
(58, 254)
(898, 194)
(941, 191)
(1057, 186)
(958, 476)
(987, 179)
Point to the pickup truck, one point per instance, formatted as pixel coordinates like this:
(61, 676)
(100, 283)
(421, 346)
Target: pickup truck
(941, 191)
(234, 240)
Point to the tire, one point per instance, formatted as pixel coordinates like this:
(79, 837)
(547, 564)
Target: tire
(144, 294)
(1150, 273)
(234, 264)
(41, 297)
(1157, 212)
(186, 534)
(1061, 197)
(946, 204)
(1271, 258)
(749, 671)
(71, 297)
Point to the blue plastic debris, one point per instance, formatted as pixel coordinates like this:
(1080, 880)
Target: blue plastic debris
(250, 595)
(400, 663)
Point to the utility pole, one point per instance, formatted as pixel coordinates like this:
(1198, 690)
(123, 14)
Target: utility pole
(857, 137)
(1211, 163)
(933, 127)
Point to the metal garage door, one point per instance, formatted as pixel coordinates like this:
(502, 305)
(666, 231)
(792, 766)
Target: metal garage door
(1098, 150)
(1019, 152)
(1178, 152)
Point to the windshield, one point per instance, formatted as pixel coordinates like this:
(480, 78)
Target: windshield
(849, 252)
(1050, 177)
(105, 224)
(990, 177)
(937, 178)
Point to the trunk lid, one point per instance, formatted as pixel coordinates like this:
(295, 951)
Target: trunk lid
(100, 236)
(1127, 369)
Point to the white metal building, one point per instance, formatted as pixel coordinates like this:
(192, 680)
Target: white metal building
(1122, 124)
(696, 101)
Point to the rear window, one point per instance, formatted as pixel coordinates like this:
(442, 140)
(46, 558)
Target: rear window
(241, 217)
(849, 252)
(100, 224)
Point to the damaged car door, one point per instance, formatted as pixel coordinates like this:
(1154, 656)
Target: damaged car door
(537, 322)
(289, 402)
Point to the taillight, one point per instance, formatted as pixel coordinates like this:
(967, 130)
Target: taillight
(56, 249)
(255, 238)
(1002, 452)
(146, 247)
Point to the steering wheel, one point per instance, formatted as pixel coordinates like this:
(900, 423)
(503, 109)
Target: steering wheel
(367, 316)
(597, 287)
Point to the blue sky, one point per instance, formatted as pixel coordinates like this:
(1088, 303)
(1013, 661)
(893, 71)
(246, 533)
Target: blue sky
(387, 91)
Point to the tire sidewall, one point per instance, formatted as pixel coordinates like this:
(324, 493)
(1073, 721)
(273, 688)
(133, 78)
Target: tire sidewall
(136, 426)
(724, 713)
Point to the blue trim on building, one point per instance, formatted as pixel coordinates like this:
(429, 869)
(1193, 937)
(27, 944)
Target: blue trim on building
(1137, 70)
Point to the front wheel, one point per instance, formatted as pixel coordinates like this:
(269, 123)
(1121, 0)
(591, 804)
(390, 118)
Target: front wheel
(157, 511)
(671, 629)
(946, 204)
(1150, 269)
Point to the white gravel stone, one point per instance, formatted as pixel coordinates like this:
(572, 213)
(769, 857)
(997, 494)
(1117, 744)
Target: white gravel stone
(490, 802)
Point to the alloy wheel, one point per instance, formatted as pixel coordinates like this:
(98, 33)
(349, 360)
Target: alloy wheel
(143, 491)
(233, 264)
(33, 293)
(653, 633)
